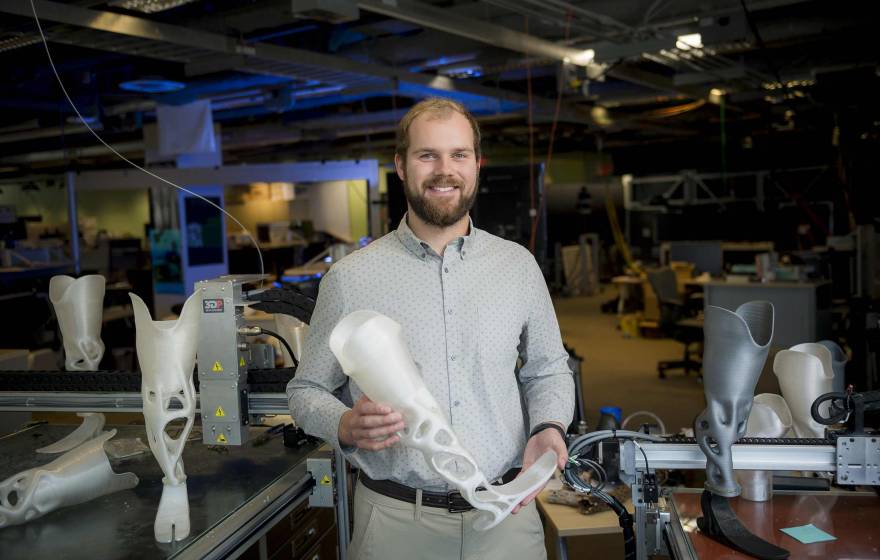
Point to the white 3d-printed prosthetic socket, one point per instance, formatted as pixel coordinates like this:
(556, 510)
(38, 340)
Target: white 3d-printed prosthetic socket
(80, 475)
(805, 372)
(79, 306)
(770, 418)
(93, 423)
(838, 364)
(167, 353)
(371, 349)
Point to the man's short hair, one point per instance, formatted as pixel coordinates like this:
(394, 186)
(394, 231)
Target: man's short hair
(435, 107)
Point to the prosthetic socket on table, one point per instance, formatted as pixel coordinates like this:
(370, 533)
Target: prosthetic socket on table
(80, 475)
(167, 352)
(735, 349)
(770, 418)
(371, 350)
(79, 307)
(805, 372)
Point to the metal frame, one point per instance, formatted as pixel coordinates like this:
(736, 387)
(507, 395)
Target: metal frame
(258, 403)
(634, 465)
(243, 527)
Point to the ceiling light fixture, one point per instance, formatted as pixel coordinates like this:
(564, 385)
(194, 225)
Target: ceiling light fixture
(152, 85)
(689, 41)
(715, 95)
(149, 6)
(582, 58)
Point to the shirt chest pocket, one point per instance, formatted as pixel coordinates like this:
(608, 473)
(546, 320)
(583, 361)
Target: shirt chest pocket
(500, 324)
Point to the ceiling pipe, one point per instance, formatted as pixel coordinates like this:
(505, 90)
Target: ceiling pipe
(435, 18)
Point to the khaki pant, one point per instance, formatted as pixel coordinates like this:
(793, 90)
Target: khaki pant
(389, 529)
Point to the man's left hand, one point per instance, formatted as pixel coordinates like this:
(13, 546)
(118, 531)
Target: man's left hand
(545, 440)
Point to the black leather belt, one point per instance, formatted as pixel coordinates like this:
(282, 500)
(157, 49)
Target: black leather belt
(450, 501)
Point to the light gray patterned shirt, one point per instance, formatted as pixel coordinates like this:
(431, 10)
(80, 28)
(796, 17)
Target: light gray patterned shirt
(467, 316)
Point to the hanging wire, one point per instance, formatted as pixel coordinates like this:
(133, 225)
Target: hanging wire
(122, 157)
(531, 147)
(543, 195)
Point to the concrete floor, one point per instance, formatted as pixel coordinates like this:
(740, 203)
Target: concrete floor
(623, 371)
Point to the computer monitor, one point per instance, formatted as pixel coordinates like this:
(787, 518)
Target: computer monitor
(707, 256)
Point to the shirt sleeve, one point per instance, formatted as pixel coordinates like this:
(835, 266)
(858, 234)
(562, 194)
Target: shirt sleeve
(547, 382)
(312, 393)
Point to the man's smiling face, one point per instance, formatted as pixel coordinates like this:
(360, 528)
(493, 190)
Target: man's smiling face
(441, 169)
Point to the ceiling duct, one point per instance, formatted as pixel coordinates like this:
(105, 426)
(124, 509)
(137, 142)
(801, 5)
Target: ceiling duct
(330, 11)
(149, 6)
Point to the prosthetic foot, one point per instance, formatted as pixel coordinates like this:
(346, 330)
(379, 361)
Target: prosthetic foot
(370, 348)
(167, 352)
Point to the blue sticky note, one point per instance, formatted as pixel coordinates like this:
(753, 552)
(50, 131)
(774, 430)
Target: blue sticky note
(808, 534)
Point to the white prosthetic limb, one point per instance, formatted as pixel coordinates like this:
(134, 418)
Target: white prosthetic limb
(294, 332)
(93, 423)
(79, 306)
(769, 418)
(838, 364)
(82, 474)
(167, 352)
(805, 372)
(371, 349)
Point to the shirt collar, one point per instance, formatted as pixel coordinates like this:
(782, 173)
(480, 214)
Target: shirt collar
(464, 244)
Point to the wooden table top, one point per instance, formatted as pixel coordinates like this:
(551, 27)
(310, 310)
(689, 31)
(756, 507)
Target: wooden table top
(852, 519)
(569, 522)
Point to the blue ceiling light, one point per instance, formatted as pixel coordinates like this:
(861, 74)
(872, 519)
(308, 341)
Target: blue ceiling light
(152, 85)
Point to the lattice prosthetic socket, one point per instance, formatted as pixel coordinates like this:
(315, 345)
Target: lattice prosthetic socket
(735, 349)
(770, 418)
(805, 372)
(80, 475)
(371, 349)
(79, 307)
(167, 352)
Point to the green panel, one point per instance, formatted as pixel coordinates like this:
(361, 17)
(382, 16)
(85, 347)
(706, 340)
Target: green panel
(357, 208)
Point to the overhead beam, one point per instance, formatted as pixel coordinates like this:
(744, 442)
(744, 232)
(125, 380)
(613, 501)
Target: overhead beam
(252, 55)
(427, 15)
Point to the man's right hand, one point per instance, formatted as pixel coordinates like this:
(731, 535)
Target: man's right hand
(367, 423)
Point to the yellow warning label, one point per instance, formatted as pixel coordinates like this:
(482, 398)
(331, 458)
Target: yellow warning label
(221, 438)
(217, 366)
(219, 413)
(241, 361)
(326, 480)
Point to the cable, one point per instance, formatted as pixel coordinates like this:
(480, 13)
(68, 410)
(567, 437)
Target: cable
(531, 147)
(645, 455)
(576, 463)
(125, 159)
(281, 339)
(645, 413)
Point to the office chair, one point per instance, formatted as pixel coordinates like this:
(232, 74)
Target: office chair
(674, 322)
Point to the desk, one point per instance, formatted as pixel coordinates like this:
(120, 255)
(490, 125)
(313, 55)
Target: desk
(234, 493)
(567, 521)
(802, 309)
(852, 519)
(626, 289)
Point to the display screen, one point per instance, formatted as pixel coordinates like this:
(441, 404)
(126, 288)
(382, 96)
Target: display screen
(204, 231)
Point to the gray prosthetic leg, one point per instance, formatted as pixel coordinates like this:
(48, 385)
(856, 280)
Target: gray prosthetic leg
(735, 349)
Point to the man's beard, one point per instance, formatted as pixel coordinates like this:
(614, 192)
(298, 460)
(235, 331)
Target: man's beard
(437, 212)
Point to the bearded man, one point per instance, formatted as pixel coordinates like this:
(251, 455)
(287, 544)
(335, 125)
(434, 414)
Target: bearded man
(479, 322)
